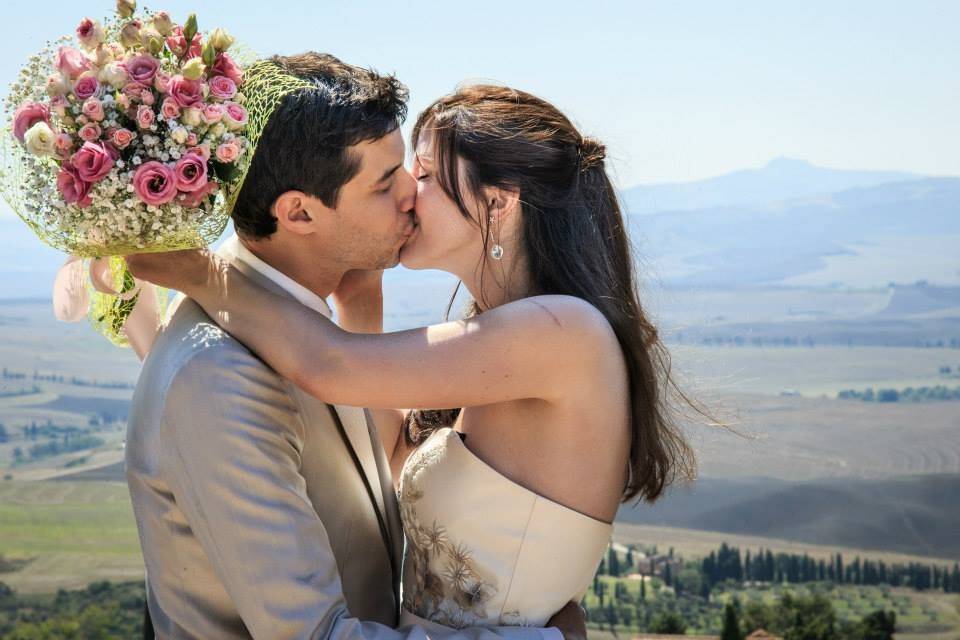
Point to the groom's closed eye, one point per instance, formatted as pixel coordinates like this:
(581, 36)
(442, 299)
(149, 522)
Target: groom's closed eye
(386, 180)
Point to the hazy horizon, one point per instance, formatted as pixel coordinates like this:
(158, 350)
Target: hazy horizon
(679, 92)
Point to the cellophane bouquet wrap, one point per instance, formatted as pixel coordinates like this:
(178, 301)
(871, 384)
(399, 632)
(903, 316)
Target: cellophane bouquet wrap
(126, 137)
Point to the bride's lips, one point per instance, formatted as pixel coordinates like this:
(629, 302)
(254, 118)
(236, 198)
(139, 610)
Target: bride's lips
(414, 228)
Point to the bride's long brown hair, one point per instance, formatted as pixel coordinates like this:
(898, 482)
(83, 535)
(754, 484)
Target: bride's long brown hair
(576, 243)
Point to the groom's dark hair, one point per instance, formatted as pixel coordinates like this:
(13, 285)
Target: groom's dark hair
(304, 146)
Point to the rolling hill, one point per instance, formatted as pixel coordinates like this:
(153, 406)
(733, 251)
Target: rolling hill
(910, 514)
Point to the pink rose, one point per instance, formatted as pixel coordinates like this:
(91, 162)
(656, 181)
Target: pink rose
(187, 93)
(155, 183)
(64, 145)
(146, 97)
(170, 109)
(223, 65)
(212, 113)
(191, 172)
(222, 87)
(178, 44)
(161, 81)
(132, 92)
(94, 161)
(145, 116)
(90, 132)
(192, 142)
(58, 105)
(234, 116)
(71, 62)
(73, 189)
(142, 69)
(194, 198)
(228, 152)
(121, 138)
(200, 150)
(28, 115)
(93, 109)
(86, 87)
(89, 33)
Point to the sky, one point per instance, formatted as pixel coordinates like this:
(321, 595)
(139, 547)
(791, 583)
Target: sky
(679, 91)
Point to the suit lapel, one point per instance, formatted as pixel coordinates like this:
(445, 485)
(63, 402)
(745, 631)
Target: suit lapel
(362, 441)
(354, 424)
(391, 507)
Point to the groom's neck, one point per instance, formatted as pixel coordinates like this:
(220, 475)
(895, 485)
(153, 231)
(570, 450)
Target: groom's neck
(297, 264)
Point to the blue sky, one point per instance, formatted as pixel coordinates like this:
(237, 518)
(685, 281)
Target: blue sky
(678, 90)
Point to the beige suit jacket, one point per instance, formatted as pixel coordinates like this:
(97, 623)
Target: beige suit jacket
(262, 511)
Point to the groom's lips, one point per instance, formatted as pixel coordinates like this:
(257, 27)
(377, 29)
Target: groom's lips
(414, 225)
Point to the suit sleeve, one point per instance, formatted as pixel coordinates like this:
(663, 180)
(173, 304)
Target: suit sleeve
(234, 438)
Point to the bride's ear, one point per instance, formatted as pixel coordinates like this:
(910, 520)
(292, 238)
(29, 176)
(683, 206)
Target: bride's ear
(296, 212)
(503, 203)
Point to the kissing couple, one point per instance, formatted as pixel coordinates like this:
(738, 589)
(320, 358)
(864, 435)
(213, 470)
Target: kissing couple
(280, 491)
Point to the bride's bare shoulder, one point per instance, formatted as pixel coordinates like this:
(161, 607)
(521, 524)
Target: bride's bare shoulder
(564, 316)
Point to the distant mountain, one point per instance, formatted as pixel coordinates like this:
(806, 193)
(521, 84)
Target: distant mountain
(780, 179)
(910, 514)
(897, 231)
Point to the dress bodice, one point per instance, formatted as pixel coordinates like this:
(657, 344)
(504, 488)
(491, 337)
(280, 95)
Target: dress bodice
(483, 550)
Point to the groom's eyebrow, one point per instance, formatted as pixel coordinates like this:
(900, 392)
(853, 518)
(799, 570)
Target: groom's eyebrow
(386, 174)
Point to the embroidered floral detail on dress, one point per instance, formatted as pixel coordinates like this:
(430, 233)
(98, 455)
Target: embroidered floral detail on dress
(446, 586)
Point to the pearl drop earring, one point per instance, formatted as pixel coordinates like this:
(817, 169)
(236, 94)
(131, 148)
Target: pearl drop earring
(496, 252)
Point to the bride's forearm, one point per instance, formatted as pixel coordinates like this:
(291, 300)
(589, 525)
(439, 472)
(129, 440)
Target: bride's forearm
(286, 335)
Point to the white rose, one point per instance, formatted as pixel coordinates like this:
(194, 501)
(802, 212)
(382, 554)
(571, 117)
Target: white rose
(114, 75)
(191, 116)
(57, 85)
(39, 139)
(179, 135)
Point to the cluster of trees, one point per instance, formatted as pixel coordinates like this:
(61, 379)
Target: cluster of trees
(665, 613)
(719, 340)
(910, 394)
(25, 391)
(803, 618)
(102, 610)
(7, 374)
(55, 447)
(764, 566)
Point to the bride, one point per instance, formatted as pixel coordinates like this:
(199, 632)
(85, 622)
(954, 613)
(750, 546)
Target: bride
(531, 419)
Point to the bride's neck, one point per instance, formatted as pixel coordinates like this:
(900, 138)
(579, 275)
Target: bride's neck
(498, 282)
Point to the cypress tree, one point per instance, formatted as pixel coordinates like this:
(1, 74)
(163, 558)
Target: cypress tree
(731, 624)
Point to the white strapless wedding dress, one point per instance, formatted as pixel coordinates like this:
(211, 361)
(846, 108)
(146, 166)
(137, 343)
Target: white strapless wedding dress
(483, 550)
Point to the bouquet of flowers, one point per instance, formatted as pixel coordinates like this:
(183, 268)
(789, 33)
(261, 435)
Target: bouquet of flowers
(125, 138)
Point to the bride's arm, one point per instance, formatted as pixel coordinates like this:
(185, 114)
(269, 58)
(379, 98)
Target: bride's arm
(542, 347)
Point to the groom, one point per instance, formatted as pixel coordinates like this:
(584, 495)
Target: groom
(262, 511)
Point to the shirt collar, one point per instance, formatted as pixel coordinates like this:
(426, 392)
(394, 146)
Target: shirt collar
(232, 249)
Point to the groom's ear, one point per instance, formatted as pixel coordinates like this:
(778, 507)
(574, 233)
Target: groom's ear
(296, 212)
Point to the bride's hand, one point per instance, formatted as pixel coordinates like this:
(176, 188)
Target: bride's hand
(358, 285)
(180, 270)
(359, 301)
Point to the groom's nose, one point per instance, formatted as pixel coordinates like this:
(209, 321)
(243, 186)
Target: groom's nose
(407, 190)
